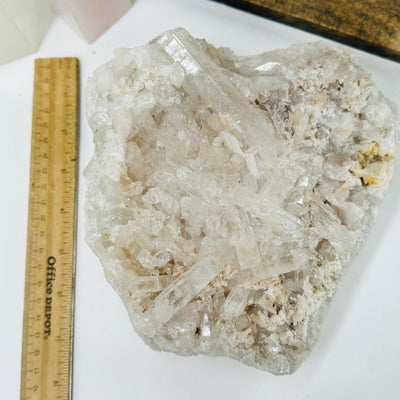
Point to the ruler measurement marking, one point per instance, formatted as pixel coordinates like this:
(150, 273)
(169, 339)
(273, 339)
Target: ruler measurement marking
(48, 308)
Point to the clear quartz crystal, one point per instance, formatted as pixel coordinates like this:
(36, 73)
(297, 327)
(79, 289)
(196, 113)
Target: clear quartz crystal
(227, 195)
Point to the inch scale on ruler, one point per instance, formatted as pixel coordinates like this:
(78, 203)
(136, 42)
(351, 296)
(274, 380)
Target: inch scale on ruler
(50, 255)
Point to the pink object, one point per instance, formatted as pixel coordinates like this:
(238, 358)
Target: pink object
(91, 17)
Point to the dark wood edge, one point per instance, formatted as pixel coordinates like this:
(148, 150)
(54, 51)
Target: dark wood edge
(314, 28)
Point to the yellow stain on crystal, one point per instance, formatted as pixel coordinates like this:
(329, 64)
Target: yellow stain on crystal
(372, 167)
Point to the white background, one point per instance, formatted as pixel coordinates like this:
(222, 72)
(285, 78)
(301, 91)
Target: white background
(358, 354)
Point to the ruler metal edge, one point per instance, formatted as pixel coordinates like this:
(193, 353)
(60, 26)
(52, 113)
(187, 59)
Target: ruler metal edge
(76, 210)
(28, 272)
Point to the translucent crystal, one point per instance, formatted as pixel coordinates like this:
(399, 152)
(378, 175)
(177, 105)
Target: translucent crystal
(227, 195)
(23, 24)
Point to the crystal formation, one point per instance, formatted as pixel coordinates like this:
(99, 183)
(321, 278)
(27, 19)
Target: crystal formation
(227, 195)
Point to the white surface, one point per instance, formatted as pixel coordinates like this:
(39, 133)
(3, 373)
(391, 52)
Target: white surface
(358, 354)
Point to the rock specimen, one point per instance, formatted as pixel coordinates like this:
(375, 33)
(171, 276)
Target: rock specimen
(227, 195)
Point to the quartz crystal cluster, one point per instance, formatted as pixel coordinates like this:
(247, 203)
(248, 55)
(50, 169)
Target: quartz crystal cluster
(227, 195)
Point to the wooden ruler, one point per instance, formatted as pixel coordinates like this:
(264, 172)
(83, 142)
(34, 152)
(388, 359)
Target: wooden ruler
(50, 255)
